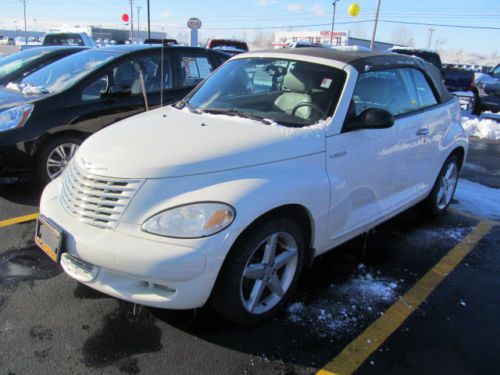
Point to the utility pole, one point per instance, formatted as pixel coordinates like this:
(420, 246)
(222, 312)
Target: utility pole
(334, 3)
(430, 37)
(138, 22)
(149, 24)
(372, 43)
(25, 26)
(131, 20)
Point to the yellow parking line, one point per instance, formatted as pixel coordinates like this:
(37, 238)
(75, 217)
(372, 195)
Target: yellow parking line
(358, 351)
(17, 220)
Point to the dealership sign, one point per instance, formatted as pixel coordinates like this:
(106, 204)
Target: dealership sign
(194, 23)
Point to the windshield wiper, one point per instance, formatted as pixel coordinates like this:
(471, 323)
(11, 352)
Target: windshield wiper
(232, 112)
(183, 103)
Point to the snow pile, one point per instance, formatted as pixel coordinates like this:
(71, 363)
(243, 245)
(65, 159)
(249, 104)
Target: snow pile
(482, 128)
(346, 305)
(477, 199)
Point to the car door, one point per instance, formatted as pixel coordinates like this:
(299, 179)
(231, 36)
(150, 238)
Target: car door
(368, 168)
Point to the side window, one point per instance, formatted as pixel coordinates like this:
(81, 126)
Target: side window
(426, 97)
(194, 68)
(389, 89)
(93, 90)
(128, 74)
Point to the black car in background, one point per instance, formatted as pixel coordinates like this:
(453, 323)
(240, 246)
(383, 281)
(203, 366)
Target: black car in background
(455, 79)
(487, 93)
(47, 115)
(20, 64)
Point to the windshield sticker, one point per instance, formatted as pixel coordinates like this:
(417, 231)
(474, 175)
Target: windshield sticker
(326, 83)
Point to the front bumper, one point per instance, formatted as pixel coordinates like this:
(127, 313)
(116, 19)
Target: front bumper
(139, 267)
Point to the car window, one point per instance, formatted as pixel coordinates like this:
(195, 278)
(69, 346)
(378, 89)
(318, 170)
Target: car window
(194, 69)
(426, 97)
(496, 72)
(94, 90)
(63, 40)
(128, 73)
(389, 89)
(291, 93)
(18, 60)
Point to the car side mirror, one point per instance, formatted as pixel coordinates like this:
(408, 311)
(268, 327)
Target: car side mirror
(117, 91)
(372, 118)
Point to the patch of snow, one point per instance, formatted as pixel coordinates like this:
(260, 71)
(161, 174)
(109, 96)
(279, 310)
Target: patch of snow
(477, 199)
(481, 127)
(462, 302)
(346, 305)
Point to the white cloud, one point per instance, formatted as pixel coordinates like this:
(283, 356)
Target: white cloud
(294, 7)
(265, 3)
(166, 14)
(318, 10)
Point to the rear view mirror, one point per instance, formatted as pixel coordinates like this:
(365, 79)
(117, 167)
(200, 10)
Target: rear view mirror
(372, 118)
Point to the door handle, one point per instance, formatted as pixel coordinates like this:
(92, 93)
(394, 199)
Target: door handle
(423, 131)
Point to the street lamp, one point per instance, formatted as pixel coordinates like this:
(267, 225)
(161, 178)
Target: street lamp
(334, 3)
(431, 30)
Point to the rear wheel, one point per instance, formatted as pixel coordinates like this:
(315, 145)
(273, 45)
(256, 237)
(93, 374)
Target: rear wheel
(54, 156)
(444, 188)
(260, 272)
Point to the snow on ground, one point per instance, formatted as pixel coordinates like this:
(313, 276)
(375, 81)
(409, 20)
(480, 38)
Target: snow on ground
(348, 303)
(480, 127)
(477, 199)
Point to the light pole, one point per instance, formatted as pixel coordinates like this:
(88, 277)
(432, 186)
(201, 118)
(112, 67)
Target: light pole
(25, 26)
(149, 24)
(430, 36)
(372, 43)
(138, 22)
(131, 20)
(334, 3)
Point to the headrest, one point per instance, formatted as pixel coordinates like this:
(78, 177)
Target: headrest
(297, 80)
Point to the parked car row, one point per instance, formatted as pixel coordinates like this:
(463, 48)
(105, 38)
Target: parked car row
(46, 114)
(224, 198)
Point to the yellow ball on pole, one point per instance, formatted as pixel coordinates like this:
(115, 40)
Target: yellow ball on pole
(353, 9)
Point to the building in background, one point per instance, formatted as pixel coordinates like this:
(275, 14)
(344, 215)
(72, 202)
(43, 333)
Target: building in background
(337, 38)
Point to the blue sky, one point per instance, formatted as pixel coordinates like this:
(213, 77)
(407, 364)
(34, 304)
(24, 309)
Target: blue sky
(236, 18)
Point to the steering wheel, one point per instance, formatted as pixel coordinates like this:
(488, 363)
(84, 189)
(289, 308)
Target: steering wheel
(306, 104)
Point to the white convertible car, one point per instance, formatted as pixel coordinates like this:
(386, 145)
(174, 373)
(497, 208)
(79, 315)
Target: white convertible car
(274, 159)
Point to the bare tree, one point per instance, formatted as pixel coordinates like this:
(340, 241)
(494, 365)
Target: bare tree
(402, 36)
(440, 43)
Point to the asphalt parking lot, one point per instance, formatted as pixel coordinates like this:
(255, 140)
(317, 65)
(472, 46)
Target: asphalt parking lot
(422, 297)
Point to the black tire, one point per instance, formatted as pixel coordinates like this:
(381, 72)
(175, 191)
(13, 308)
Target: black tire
(432, 204)
(45, 151)
(227, 297)
(474, 105)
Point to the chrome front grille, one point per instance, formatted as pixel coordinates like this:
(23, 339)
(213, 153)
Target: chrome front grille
(95, 200)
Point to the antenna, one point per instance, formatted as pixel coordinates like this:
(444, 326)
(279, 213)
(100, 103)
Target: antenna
(162, 79)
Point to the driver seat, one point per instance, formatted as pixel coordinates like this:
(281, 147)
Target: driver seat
(296, 88)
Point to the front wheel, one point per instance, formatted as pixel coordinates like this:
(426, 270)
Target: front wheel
(260, 272)
(444, 188)
(54, 156)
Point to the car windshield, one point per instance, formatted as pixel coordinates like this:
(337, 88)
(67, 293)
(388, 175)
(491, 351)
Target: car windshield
(18, 60)
(289, 92)
(65, 72)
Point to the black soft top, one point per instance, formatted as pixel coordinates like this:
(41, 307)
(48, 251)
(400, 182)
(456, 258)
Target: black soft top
(364, 61)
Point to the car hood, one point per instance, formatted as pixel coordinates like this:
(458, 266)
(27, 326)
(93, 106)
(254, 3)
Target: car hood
(11, 98)
(168, 142)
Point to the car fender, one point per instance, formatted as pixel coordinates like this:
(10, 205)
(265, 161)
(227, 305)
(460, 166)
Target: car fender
(251, 191)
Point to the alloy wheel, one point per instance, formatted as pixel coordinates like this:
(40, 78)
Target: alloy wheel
(269, 272)
(447, 186)
(59, 158)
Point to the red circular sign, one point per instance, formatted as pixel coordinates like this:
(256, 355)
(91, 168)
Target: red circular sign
(125, 17)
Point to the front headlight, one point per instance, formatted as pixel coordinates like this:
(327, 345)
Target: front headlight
(15, 117)
(191, 221)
